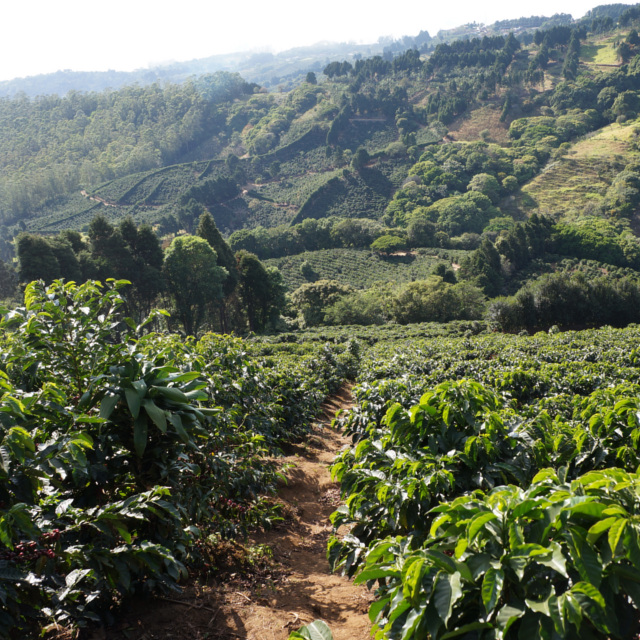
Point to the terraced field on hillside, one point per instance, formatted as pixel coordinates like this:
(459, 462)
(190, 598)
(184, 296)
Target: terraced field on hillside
(572, 184)
(363, 268)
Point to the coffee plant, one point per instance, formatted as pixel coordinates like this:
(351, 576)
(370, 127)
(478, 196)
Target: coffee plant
(491, 489)
(120, 451)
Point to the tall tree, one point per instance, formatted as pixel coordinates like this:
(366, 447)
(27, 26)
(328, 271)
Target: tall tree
(36, 259)
(207, 230)
(194, 279)
(147, 277)
(483, 268)
(8, 281)
(260, 290)
(110, 255)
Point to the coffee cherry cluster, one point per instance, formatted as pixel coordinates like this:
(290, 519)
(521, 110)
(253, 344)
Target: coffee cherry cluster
(229, 504)
(25, 552)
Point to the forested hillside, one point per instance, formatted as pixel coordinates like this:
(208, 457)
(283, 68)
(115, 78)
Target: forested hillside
(483, 163)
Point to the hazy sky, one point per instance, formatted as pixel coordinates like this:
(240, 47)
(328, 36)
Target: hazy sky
(42, 36)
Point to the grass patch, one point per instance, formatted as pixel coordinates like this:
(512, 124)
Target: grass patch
(599, 53)
(580, 178)
(487, 118)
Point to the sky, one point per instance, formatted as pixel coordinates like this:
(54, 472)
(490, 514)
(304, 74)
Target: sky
(44, 36)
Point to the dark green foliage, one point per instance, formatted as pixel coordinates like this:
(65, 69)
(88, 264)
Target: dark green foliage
(445, 171)
(483, 268)
(261, 290)
(208, 231)
(110, 256)
(435, 300)
(421, 232)
(360, 158)
(36, 258)
(569, 300)
(194, 280)
(486, 52)
(447, 275)
(146, 274)
(212, 191)
(8, 281)
(525, 241)
(334, 69)
(388, 244)
(623, 196)
(597, 239)
(314, 298)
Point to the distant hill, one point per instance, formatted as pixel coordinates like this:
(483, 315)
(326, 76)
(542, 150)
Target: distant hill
(280, 70)
(448, 150)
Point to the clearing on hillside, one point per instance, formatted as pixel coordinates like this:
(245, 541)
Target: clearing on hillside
(567, 185)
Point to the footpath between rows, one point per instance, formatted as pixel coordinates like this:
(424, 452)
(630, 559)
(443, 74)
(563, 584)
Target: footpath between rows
(294, 588)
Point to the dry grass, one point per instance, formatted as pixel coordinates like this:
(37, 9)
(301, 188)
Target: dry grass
(487, 118)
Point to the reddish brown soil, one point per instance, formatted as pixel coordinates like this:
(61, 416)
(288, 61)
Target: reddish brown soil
(297, 590)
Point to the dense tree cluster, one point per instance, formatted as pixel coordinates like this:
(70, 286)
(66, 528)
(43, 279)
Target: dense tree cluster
(198, 278)
(495, 51)
(569, 301)
(436, 299)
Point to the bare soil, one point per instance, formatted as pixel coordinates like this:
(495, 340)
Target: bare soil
(297, 588)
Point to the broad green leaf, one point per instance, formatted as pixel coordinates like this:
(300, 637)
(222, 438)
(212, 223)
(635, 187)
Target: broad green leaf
(141, 387)
(516, 535)
(376, 608)
(76, 576)
(374, 574)
(556, 561)
(156, 414)
(140, 429)
(545, 474)
(466, 629)
(507, 616)
(412, 579)
(176, 421)
(107, 406)
(124, 532)
(317, 630)
(615, 533)
(478, 523)
(591, 592)
(595, 509)
(438, 522)
(413, 620)
(525, 507)
(539, 607)
(492, 588)
(442, 596)
(586, 559)
(170, 393)
(133, 401)
(461, 547)
(599, 528)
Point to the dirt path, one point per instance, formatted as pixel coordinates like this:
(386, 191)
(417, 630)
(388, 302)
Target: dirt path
(300, 590)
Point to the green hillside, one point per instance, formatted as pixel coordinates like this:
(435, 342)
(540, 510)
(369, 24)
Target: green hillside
(514, 144)
(577, 181)
(362, 268)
